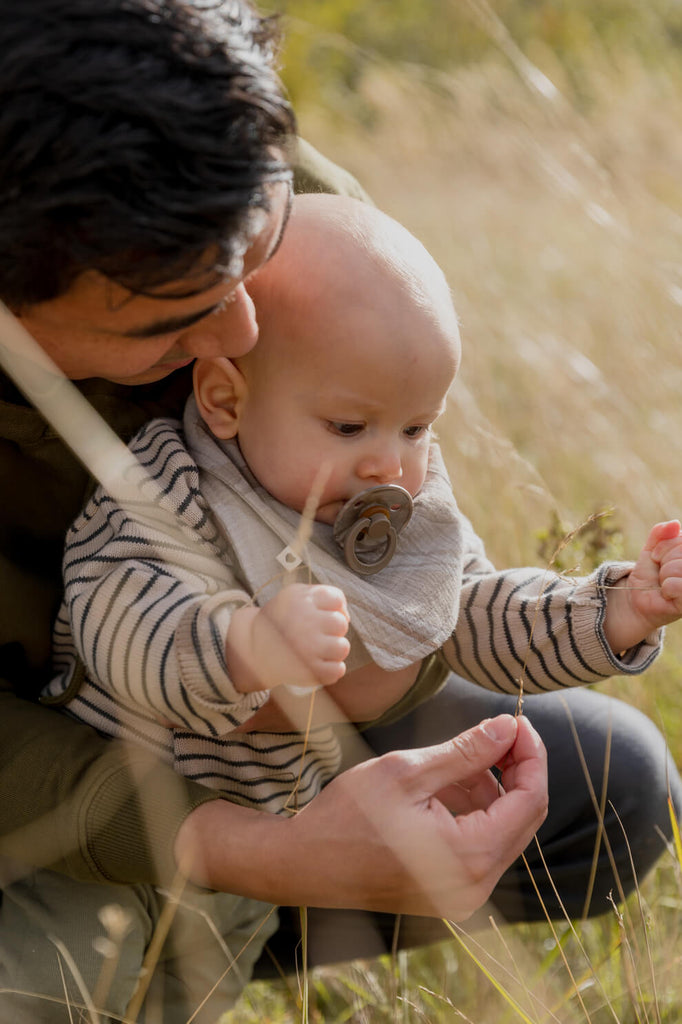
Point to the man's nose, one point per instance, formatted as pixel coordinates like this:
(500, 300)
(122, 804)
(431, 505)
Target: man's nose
(231, 331)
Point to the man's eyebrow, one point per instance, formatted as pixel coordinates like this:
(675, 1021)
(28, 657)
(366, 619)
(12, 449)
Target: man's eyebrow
(170, 324)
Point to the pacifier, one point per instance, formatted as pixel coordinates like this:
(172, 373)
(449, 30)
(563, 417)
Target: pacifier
(368, 525)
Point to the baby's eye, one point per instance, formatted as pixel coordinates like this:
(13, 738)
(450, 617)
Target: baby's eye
(345, 429)
(415, 431)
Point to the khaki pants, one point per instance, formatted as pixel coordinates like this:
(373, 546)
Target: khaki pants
(59, 940)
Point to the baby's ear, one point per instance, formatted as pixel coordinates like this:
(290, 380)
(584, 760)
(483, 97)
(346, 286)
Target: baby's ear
(220, 392)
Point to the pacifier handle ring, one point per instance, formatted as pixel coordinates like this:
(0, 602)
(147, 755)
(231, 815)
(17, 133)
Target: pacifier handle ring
(370, 522)
(352, 558)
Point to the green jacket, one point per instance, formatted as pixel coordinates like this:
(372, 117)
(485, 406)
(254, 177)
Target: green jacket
(93, 808)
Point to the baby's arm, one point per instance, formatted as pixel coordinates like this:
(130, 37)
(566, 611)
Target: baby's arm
(297, 637)
(148, 617)
(535, 627)
(149, 594)
(636, 606)
(651, 595)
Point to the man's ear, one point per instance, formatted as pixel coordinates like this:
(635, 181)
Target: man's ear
(220, 391)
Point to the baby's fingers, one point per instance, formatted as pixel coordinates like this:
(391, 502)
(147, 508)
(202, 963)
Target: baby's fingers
(661, 534)
(328, 661)
(328, 597)
(331, 610)
(333, 648)
(668, 556)
(671, 586)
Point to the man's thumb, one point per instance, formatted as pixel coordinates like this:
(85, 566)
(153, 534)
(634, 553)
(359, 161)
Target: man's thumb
(465, 755)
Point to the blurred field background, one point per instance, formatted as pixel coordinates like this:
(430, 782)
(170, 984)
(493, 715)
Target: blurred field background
(535, 147)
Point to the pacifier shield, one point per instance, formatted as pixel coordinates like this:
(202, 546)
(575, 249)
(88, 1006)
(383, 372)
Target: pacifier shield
(368, 525)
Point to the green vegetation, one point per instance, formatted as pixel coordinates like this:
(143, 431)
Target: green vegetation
(620, 969)
(331, 44)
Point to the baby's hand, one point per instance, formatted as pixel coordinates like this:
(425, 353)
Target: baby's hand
(661, 561)
(298, 637)
(651, 596)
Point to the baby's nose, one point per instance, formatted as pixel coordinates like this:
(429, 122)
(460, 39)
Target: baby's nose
(384, 466)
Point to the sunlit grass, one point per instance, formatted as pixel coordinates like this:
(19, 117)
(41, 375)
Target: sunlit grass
(507, 974)
(560, 230)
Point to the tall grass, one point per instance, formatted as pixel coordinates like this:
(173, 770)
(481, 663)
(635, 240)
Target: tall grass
(558, 220)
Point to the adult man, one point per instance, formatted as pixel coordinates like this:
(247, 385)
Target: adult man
(143, 174)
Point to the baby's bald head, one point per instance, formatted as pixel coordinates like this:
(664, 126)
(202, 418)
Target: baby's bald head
(357, 348)
(342, 259)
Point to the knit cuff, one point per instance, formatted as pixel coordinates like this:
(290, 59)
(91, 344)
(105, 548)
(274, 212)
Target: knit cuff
(213, 703)
(588, 612)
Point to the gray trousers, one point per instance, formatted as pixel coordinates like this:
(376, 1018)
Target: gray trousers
(64, 941)
(639, 772)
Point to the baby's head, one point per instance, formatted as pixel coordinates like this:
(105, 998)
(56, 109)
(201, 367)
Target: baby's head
(358, 345)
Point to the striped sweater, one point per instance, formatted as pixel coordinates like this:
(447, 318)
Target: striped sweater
(149, 591)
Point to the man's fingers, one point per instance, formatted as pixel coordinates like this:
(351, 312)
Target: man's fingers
(473, 795)
(513, 816)
(524, 769)
(464, 757)
(482, 841)
(522, 807)
(528, 749)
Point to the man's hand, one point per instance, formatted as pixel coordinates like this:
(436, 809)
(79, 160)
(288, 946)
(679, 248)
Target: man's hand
(298, 638)
(651, 596)
(382, 836)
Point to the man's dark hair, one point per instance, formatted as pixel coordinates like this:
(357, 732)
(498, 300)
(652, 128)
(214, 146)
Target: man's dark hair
(135, 137)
